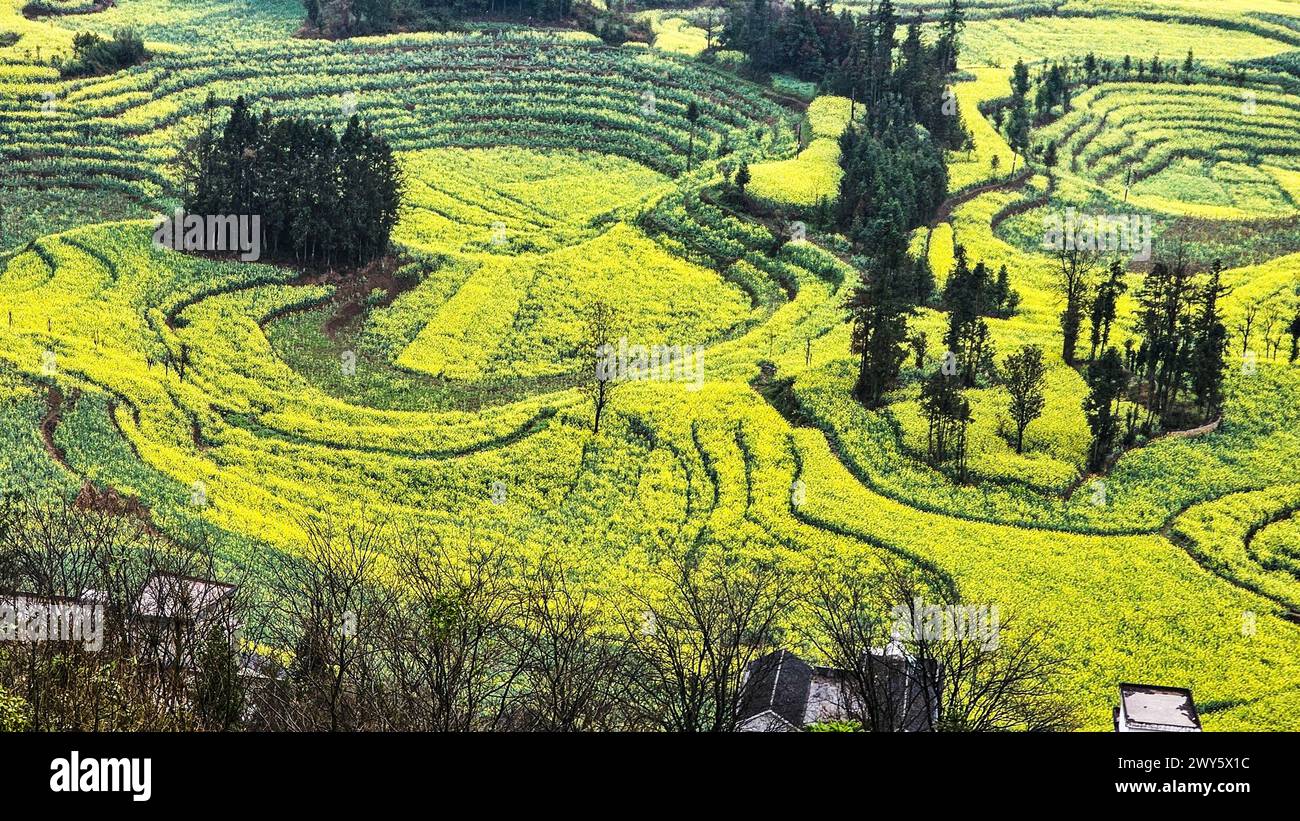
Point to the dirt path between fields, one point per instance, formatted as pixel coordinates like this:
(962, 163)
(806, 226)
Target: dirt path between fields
(91, 497)
(50, 421)
(352, 292)
(949, 205)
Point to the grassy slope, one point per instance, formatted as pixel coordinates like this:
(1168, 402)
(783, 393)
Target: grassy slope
(274, 447)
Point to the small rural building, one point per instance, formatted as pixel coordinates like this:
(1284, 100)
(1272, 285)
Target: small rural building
(172, 596)
(1150, 708)
(176, 614)
(785, 693)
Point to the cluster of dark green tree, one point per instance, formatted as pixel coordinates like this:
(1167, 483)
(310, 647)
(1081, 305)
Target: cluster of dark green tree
(353, 18)
(323, 198)
(93, 55)
(902, 85)
(814, 42)
(1047, 91)
(1054, 82)
(890, 289)
(948, 414)
(894, 180)
(976, 291)
(894, 173)
(375, 628)
(971, 294)
(1169, 376)
(1087, 297)
(1172, 373)
(879, 309)
(805, 40)
(945, 405)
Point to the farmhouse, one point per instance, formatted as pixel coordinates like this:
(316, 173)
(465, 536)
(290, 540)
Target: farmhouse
(171, 596)
(1150, 708)
(785, 693)
(178, 612)
(169, 616)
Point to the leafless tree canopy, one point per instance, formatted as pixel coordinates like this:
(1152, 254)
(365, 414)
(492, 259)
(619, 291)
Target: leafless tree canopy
(958, 684)
(375, 627)
(167, 659)
(694, 633)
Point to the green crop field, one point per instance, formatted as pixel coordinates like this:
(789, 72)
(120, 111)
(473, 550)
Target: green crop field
(545, 168)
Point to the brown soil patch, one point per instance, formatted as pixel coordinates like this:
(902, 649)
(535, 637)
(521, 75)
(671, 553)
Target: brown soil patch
(108, 500)
(53, 413)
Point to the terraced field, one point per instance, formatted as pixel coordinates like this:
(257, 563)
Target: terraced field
(1210, 151)
(1005, 40)
(545, 170)
(119, 133)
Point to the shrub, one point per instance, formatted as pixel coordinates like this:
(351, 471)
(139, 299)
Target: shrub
(93, 55)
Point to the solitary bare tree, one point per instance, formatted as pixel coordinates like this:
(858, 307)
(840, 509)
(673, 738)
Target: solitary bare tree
(599, 367)
(694, 630)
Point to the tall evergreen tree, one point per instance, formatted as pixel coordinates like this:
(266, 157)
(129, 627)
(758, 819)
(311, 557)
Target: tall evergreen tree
(965, 296)
(324, 198)
(948, 414)
(1209, 352)
(1164, 319)
(950, 27)
(878, 308)
(1104, 306)
(1107, 381)
(1024, 372)
(742, 177)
